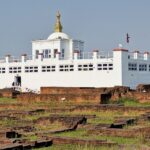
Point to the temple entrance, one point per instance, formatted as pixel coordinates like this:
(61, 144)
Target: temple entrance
(17, 81)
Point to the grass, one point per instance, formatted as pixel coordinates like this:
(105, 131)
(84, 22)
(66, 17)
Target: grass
(8, 101)
(101, 120)
(77, 147)
(131, 102)
(8, 123)
(87, 147)
(102, 117)
(30, 137)
(81, 133)
(47, 126)
(36, 116)
(105, 117)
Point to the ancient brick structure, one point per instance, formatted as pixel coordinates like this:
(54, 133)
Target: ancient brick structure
(93, 95)
(59, 97)
(71, 90)
(8, 92)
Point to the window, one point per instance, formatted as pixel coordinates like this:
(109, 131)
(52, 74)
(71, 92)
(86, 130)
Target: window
(2, 70)
(63, 53)
(132, 67)
(142, 67)
(46, 53)
(99, 66)
(66, 68)
(36, 54)
(48, 68)
(110, 66)
(55, 51)
(149, 67)
(49, 53)
(85, 67)
(128, 56)
(104, 66)
(14, 69)
(30, 69)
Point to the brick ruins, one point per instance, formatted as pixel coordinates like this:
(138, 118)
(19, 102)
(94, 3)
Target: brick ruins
(83, 99)
(94, 95)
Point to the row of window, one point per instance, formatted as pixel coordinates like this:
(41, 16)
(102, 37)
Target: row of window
(31, 69)
(47, 53)
(90, 67)
(105, 66)
(48, 68)
(15, 70)
(140, 67)
(66, 68)
(85, 67)
(62, 68)
(132, 66)
(81, 67)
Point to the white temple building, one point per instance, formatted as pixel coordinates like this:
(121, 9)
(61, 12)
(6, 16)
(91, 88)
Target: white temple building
(61, 61)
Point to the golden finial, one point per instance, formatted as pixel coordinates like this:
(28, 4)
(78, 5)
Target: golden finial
(58, 26)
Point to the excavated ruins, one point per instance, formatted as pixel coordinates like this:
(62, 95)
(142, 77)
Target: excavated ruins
(77, 116)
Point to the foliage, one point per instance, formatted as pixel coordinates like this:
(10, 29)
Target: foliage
(7, 100)
(130, 102)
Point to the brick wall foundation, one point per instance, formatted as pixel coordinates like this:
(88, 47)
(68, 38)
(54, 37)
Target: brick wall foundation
(8, 93)
(59, 97)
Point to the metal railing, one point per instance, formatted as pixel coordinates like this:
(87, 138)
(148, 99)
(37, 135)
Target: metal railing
(103, 54)
(90, 55)
(82, 55)
(30, 57)
(14, 59)
(2, 60)
(85, 55)
(140, 56)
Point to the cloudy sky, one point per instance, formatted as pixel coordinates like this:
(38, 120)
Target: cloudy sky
(102, 24)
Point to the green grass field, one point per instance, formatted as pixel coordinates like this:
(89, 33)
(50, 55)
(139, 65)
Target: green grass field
(102, 117)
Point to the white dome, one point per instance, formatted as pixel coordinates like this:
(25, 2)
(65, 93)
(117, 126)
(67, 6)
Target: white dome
(58, 35)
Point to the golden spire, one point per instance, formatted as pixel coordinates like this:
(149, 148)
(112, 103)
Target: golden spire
(58, 26)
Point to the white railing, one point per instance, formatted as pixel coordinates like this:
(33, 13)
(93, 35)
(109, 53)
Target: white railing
(136, 56)
(85, 55)
(30, 57)
(141, 56)
(90, 55)
(82, 55)
(2, 60)
(130, 55)
(14, 59)
(63, 58)
(79, 56)
(103, 54)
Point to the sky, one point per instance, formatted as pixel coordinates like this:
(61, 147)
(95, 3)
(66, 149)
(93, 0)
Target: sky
(102, 24)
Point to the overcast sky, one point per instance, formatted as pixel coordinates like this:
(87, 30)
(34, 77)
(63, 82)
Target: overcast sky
(102, 24)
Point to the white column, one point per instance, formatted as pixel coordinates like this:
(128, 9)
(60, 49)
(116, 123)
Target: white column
(7, 58)
(95, 54)
(58, 55)
(75, 58)
(136, 54)
(146, 55)
(40, 57)
(95, 57)
(120, 67)
(76, 54)
(24, 57)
